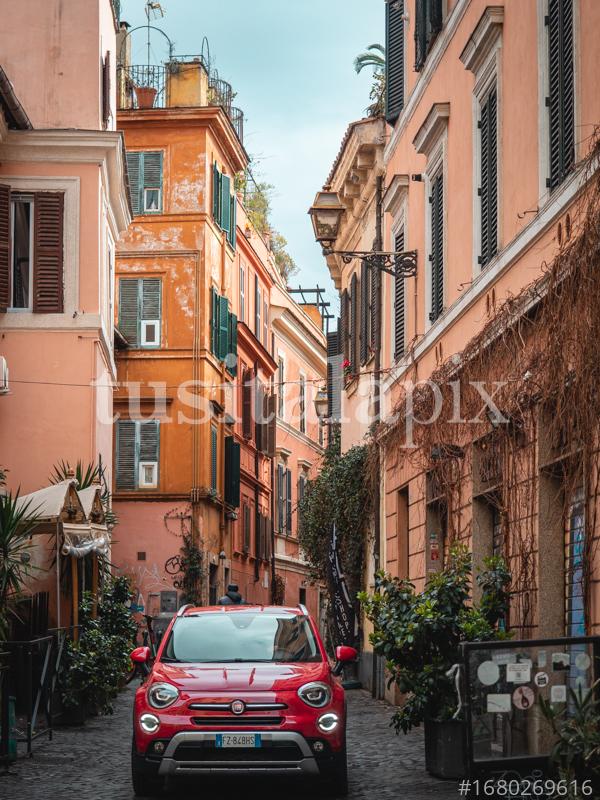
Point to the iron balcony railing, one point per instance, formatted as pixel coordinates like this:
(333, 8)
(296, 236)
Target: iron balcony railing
(147, 86)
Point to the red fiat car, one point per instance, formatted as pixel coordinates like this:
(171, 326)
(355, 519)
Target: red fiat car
(238, 690)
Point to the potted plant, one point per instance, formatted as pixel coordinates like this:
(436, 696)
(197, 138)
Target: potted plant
(419, 635)
(146, 95)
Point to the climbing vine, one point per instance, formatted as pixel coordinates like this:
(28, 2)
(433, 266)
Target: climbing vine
(340, 495)
(187, 566)
(538, 356)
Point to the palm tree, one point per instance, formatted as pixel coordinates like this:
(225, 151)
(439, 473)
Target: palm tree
(373, 57)
(17, 523)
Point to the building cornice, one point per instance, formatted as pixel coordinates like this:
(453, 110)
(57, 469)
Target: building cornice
(483, 39)
(396, 194)
(432, 128)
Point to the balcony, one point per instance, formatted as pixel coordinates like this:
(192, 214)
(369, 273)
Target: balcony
(184, 82)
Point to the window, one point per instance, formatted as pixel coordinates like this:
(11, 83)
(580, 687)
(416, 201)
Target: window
(168, 602)
(399, 303)
(284, 500)
(247, 528)
(352, 356)
(106, 109)
(365, 312)
(137, 454)
(281, 392)
(247, 395)
(428, 25)
(302, 596)
(22, 252)
(224, 204)
(31, 251)
(223, 332)
(232, 472)
(145, 172)
(345, 325)
(436, 254)
(213, 458)
(302, 403)
(574, 566)
(301, 486)
(394, 47)
(488, 175)
(265, 339)
(561, 90)
(140, 311)
(242, 294)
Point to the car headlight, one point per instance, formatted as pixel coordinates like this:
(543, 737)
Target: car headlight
(149, 723)
(328, 722)
(315, 694)
(161, 695)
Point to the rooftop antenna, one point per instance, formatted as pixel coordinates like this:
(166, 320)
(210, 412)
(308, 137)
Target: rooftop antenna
(154, 8)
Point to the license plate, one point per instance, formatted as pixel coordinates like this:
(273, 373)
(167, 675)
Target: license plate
(238, 740)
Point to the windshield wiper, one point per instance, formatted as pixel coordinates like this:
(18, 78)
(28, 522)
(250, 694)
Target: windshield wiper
(170, 660)
(239, 661)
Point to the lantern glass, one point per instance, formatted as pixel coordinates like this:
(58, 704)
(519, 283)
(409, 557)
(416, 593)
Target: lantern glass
(326, 214)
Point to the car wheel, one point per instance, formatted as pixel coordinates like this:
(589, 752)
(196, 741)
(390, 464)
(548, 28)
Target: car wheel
(336, 777)
(144, 784)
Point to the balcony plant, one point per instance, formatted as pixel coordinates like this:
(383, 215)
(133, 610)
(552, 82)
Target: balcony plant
(419, 635)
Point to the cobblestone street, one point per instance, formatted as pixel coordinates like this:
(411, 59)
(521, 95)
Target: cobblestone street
(92, 762)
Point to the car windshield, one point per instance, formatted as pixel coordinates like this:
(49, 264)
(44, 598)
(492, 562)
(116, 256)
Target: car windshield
(241, 637)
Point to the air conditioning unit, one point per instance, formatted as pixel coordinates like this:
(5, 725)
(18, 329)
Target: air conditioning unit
(3, 376)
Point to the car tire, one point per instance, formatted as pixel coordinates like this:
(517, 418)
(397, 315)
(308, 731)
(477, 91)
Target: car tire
(144, 785)
(336, 778)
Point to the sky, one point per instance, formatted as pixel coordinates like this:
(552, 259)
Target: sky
(291, 64)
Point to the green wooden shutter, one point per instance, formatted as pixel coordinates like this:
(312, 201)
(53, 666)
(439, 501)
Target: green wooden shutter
(153, 175)
(226, 204)
(488, 190)
(214, 321)
(223, 344)
(149, 440)
(232, 472)
(151, 291)
(561, 96)
(436, 256)
(364, 312)
(5, 301)
(134, 174)
(216, 194)
(126, 467)
(399, 303)
(213, 458)
(288, 501)
(394, 71)
(428, 24)
(233, 224)
(128, 310)
(232, 357)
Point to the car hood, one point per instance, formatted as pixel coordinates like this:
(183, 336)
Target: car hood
(251, 677)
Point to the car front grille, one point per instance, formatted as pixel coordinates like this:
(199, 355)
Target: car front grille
(206, 751)
(236, 722)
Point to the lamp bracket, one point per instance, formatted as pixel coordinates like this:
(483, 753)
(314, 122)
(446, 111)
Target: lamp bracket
(397, 264)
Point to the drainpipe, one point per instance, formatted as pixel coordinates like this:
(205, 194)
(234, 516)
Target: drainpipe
(256, 491)
(378, 246)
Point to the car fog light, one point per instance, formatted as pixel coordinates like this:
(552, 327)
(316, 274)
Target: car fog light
(328, 722)
(149, 723)
(159, 747)
(318, 746)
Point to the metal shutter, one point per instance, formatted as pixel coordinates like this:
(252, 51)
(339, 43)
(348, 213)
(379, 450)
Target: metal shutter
(561, 97)
(4, 247)
(126, 455)
(48, 215)
(436, 256)
(488, 191)
(399, 303)
(394, 53)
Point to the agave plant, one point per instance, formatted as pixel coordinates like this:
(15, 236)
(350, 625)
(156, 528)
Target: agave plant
(17, 522)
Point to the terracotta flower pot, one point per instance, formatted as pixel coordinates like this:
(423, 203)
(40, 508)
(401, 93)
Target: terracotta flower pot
(146, 96)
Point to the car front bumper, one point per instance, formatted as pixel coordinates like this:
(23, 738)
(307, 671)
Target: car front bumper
(194, 753)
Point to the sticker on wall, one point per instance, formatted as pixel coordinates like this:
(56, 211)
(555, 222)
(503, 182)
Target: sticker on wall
(523, 697)
(498, 703)
(582, 661)
(541, 658)
(518, 673)
(558, 694)
(541, 679)
(580, 683)
(504, 658)
(560, 661)
(488, 673)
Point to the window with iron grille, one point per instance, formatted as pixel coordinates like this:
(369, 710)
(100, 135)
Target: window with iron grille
(399, 303)
(561, 90)
(394, 55)
(427, 26)
(488, 175)
(436, 255)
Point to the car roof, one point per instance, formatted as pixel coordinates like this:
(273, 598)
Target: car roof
(187, 611)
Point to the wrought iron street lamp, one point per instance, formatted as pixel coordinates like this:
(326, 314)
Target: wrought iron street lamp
(326, 214)
(321, 404)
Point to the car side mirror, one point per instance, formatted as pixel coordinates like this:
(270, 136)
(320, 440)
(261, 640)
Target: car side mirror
(343, 655)
(140, 657)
